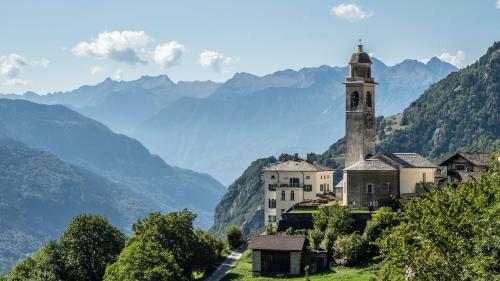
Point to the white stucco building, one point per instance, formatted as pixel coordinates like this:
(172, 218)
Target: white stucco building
(291, 181)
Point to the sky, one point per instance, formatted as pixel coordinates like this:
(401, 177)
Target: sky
(49, 46)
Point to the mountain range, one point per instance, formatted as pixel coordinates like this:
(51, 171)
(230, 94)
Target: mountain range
(57, 163)
(218, 128)
(459, 113)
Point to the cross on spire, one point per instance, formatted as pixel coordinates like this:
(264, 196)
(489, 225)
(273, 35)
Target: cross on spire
(360, 46)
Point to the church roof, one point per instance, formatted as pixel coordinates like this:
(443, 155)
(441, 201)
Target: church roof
(298, 165)
(371, 164)
(410, 160)
(391, 161)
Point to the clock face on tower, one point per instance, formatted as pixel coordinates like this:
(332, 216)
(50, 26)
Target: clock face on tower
(369, 121)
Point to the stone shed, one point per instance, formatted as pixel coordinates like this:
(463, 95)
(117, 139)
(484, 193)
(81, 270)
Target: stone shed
(277, 255)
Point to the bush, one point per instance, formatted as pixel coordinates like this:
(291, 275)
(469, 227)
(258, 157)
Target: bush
(315, 236)
(349, 249)
(335, 217)
(270, 229)
(234, 236)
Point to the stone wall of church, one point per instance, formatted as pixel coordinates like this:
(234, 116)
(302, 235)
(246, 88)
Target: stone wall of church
(384, 185)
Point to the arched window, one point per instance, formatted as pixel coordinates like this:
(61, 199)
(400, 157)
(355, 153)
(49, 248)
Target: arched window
(292, 195)
(368, 99)
(369, 72)
(354, 99)
(355, 72)
(283, 196)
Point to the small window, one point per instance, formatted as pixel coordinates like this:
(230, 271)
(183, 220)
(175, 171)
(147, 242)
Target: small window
(389, 187)
(273, 177)
(272, 187)
(292, 195)
(307, 187)
(283, 196)
(272, 218)
(368, 99)
(321, 187)
(460, 167)
(308, 177)
(369, 188)
(423, 178)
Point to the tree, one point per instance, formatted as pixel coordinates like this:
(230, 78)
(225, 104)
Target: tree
(207, 253)
(44, 265)
(144, 261)
(349, 249)
(381, 221)
(88, 244)
(173, 233)
(234, 236)
(331, 221)
(447, 234)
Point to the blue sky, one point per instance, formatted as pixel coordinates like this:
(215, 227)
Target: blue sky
(58, 45)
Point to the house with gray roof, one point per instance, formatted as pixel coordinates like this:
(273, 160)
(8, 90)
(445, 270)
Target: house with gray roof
(463, 166)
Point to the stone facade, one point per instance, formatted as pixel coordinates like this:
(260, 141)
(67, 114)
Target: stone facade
(384, 187)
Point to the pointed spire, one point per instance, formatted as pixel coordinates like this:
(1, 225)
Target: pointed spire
(360, 46)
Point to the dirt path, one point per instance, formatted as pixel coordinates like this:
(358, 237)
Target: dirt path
(226, 266)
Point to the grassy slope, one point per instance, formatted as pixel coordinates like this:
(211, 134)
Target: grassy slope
(243, 272)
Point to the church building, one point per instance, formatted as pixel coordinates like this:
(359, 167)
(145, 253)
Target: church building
(370, 177)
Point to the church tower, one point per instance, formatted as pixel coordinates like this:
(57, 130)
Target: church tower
(360, 108)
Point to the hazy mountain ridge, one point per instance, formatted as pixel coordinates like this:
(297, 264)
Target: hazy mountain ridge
(254, 116)
(41, 194)
(122, 105)
(460, 112)
(83, 141)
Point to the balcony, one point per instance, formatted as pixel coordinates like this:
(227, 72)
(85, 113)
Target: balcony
(290, 185)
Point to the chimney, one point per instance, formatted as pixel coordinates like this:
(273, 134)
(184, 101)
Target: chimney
(310, 157)
(296, 157)
(284, 157)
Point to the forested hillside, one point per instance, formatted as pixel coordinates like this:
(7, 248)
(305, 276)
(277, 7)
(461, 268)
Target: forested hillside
(40, 194)
(85, 142)
(460, 112)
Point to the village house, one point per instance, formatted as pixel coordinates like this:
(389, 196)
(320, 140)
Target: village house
(291, 181)
(464, 166)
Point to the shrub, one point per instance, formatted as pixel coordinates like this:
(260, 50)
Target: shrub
(234, 236)
(349, 249)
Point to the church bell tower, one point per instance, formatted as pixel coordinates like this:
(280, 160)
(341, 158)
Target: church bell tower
(360, 108)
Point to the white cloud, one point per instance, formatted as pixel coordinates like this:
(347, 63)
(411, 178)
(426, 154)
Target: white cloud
(455, 59)
(122, 46)
(498, 4)
(216, 61)
(118, 76)
(96, 70)
(11, 65)
(350, 12)
(16, 82)
(43, 63)
(169, 54)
